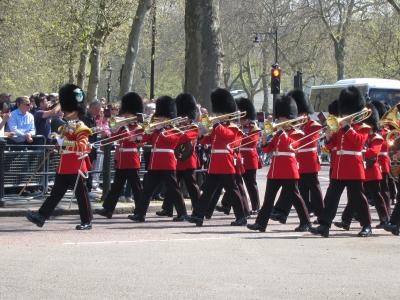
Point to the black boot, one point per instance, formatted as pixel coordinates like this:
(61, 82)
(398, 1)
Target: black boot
(277, 216)
(196, 220)
(343, 225)
(382, 224)
(36, 218)
(104, 212)
(239, 222)
(256, 227)
(136, 218)
(164, 213)
(322, 230)
(303, 228)
(393, 228)
(84, 226)
(366, 231)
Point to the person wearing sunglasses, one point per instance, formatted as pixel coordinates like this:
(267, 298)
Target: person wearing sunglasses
(22, 122)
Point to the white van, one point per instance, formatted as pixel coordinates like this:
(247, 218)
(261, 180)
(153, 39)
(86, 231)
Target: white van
(385, 90)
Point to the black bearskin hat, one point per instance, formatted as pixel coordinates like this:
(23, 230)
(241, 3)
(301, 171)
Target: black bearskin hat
(72, 98)
(165, 107)
(186, 106)
(373, 120)
(333, 108)
(350, 101)
(131, 103)
(286, 107)
(303, 105)
(246, 105)
(380, 107)
(222, 102)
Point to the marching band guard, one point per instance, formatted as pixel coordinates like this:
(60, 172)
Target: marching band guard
(185, 169)
(348, 167)
(222, 167)
(283, 171)
(127, 156)
(373, 175)
(162, 166)
(309, 164)
(73, 162)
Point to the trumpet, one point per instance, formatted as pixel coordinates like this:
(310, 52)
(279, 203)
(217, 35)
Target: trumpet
(333, 122)
(391, 118)
(270, 127)
(208, 122)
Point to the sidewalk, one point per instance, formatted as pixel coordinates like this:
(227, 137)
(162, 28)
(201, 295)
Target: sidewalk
(15, 206)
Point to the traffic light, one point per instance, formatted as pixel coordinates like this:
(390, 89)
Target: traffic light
(276, 73)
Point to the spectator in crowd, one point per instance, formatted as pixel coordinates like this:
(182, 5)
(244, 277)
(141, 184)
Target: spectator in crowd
(21, 122)
(5, 102)
(3, 120)
(89, 118)
(43, 115)
(32, 98)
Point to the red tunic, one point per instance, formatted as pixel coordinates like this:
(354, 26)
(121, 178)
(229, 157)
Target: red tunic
(164, 142)
(331, 147)
(374, 147)
(127, 154)
(249, 148)
(192, 162)
(284, 164)
(383, 157)
(349, 164)
(222, 160)
(69, 160)
(308, 156)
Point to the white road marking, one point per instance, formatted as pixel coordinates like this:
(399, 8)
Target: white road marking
(142, 241)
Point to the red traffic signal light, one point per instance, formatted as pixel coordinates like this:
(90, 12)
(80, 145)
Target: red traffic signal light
(276, 73)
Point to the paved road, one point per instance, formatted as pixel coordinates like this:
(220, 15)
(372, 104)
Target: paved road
(160, 259)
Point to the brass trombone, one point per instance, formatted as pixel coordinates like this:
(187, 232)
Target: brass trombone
(115, 122)
(208, 122)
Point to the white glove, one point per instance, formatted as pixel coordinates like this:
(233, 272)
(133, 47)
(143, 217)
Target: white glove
(60, 141)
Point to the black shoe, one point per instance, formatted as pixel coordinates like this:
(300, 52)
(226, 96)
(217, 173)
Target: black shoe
(279, 217)
(208, 216)
(164, 213)
(136, 218)
(223, 209)
(239, 222)
(381, 225)
(180, 218)
(343, 225)
(256, 227)
(104, 212)
(393, 228)
(303, 228)
(321, 230)
(85, 226)
(36, 218)
(196, 220)
(366, 231)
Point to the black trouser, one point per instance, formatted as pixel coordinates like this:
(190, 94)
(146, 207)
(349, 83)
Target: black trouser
(372, 188)
(61, 184)
(250, 179)
(395, 217)
(153, 179)
(210, 186)
(392, 187)
(120, 177)
(289, 191)
(92, 157)
(356, 199)
(384, 185)
(189, 177)
(310, 191)
(226, 199)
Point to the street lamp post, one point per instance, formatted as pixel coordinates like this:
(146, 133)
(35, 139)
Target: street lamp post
(153, 48)
(109, 70)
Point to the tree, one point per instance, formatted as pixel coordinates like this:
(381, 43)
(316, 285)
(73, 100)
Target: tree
(133, 46)
(203, 51)
(395, 5)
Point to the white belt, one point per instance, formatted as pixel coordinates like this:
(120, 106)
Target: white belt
(345, 152)
(283, 154)
(219, 151)
(162, 150)
(69, 152)
(127, 150)
(383, 154)
(307, 150)
(247, 149)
